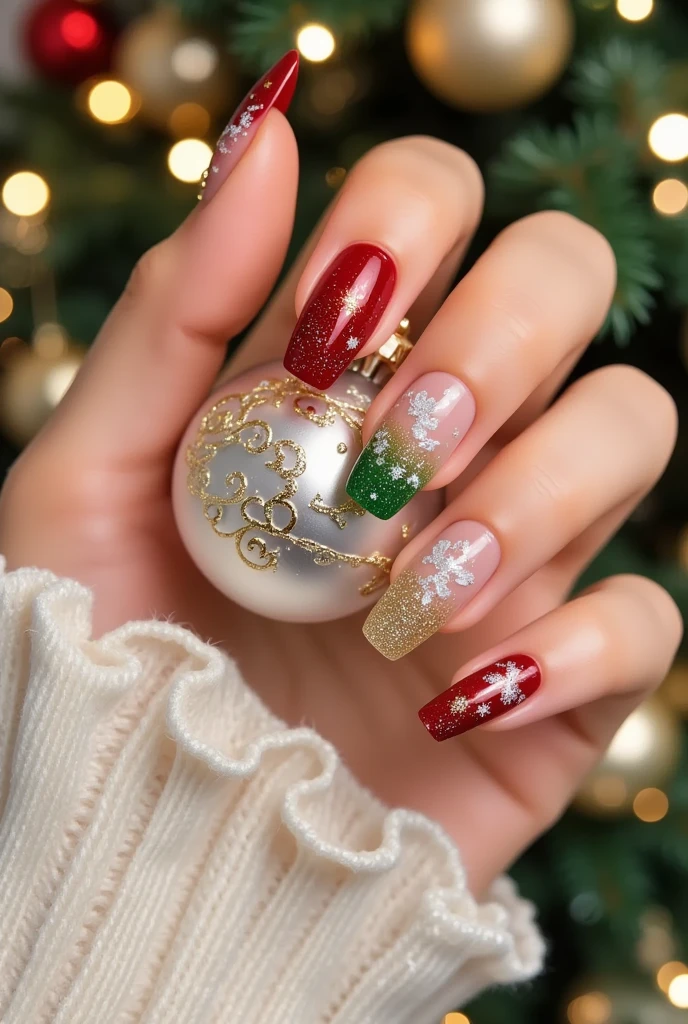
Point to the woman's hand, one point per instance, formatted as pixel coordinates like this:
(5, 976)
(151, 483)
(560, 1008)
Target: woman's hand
(543, 485)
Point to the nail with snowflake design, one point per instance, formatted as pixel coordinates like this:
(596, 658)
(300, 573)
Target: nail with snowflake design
(341, 314)
(414, 440)
(274, 89)
(488, 693)
(436, 585)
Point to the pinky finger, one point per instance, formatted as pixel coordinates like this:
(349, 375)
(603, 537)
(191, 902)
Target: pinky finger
(594, 658)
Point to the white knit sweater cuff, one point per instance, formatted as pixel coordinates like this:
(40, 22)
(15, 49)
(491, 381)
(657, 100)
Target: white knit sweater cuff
(171, 853)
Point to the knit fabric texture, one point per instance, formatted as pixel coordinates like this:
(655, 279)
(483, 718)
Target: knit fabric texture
(171, 853)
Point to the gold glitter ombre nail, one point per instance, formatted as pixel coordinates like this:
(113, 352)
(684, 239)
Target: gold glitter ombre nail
(437, 584)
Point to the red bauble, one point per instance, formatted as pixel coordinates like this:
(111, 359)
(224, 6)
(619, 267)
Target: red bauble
(68, 41)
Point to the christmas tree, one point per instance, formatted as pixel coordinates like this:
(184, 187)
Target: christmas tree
(107, 119)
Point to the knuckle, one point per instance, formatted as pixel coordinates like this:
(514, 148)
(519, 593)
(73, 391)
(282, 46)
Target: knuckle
(149, 274)
(643, 407)
(572, 243)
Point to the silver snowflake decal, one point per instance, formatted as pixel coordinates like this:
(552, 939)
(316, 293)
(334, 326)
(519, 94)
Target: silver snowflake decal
(422, 407)
(483, 709)
(450, 569)
(413, 480)
(459, 705)
(353, 343)
(396, 472)
(380, 442)
(507, 681)
(373, 495)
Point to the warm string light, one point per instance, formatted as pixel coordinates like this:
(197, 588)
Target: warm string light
(667, 973)
(315, 42)
(195, 60)
(635, 10)
(670, 197)
(25, 194)
(189, 119)
(456, 1018)
(668, 137)
(6, 305)
(651, 805)
(591, 1008)
(111, 102)
(677, 993)
(188, 159)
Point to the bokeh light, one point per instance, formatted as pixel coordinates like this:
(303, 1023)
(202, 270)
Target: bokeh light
(591, 1008)
(6, 305)
(668, 137)
(677, 993)
(111, 102)
(634, 10)
(667, 973)
(80, 30)
(651, 805)
(188, 159)
(25, 194)
(189, 119)
(456, 1018)
(315, 42)
(194, 60)
(670, 197)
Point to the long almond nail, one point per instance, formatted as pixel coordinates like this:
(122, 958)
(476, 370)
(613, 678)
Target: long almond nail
(488, 693)
(436, 585)
(341, 314)
(415, 439)
(274, 89)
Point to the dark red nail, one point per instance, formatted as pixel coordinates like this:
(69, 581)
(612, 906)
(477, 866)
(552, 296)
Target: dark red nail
(341, 314)
(486, 694)
(274, 89)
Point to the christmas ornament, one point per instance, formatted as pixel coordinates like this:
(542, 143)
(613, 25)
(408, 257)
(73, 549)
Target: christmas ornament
(259, 494)
(68, 41)
(611, 999)
(487, 55)
(33, 381)
(171, 66)
(643, 755)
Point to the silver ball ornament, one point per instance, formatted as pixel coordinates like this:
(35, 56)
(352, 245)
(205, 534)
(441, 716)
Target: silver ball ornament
(260, 502)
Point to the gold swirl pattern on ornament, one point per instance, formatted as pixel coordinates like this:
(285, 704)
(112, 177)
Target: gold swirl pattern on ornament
(228, 423)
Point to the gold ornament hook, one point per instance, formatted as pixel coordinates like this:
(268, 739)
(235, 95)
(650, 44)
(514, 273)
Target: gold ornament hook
(380, 365)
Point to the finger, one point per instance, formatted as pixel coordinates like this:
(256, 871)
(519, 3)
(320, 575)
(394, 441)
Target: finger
(617, 640)
(401, 212)
(162, 346)
(501, 342)
(587, 665)
(605, 442)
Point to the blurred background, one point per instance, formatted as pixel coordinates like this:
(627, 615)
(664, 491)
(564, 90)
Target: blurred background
(108, 112)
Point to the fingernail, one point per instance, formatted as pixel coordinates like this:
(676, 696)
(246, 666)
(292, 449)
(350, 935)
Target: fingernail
(435, 586)
(417, 437)
(341, 314)
(483, 695)
(274, 89)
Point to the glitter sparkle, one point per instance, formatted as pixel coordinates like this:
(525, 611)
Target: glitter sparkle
(459, 705)
(483, 709)
(351, 302)
(353, 343)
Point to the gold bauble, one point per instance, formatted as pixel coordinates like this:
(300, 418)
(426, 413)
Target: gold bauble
(643, 755)
(623, 999)
(488, 55)
(170, 65)
(33, 381)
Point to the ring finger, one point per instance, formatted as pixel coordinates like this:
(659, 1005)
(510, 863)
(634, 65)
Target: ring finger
(603, 444)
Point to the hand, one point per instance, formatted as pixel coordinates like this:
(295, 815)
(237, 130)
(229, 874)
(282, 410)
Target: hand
(546, 484)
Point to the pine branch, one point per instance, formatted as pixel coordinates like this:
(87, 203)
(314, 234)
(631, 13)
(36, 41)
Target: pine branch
(264, 29)
(588, 171)
(626, 81)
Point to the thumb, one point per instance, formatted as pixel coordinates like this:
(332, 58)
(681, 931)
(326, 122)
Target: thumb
(164, 342)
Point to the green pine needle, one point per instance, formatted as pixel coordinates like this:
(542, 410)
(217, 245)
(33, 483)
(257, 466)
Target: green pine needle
(624, 80)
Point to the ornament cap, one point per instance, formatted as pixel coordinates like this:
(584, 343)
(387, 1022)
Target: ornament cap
(380, 365)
